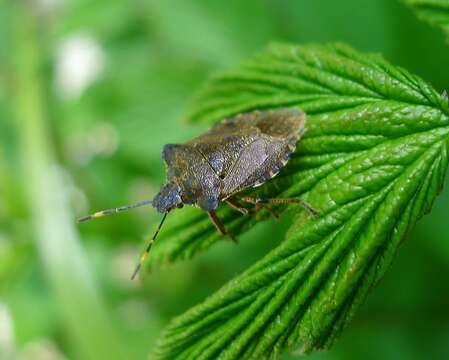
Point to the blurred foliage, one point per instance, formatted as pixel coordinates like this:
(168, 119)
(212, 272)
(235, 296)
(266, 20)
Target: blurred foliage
(107, 141)
(436, 12)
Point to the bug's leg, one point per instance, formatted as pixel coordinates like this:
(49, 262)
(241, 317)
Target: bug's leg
(268, 208)
(237, 206)
(219, 226)
(259, 206)
(245, 211)
(285, 201)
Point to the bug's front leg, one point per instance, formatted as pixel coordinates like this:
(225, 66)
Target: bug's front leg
(219, 226)
(286, 201)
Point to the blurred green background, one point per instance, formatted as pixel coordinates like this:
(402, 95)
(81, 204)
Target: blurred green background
(90, 91)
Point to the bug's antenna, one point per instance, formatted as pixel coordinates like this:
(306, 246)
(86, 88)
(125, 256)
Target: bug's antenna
(147, 250)
(107, 212)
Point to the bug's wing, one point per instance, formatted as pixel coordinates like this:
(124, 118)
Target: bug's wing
(224, 143)
(222, 149)
(258, 162)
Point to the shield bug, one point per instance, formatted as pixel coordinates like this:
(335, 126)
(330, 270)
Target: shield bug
(236, 154)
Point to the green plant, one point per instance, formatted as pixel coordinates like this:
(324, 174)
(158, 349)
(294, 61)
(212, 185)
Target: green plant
(65, 290)
(372, 161)
(435, 12)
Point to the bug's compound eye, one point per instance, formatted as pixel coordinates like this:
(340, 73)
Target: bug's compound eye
(180, 206)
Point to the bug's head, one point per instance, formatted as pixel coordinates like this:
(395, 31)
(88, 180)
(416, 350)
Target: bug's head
(168, 198)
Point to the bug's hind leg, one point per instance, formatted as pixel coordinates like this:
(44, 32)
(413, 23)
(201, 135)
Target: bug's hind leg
(286, 201)
(219, 226)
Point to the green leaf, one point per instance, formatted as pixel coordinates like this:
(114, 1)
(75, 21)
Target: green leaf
(372, 161)
(435, 12)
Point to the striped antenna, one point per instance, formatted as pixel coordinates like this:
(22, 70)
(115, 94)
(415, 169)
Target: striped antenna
(148, 248)
(107, 212)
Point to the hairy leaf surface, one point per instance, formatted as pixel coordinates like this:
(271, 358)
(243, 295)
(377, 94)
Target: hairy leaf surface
(372, 162)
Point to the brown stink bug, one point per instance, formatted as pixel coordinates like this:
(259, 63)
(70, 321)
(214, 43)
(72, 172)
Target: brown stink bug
(237, 153)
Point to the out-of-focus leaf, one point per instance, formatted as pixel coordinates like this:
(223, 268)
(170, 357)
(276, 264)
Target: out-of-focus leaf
(373, 160)
(435, 12)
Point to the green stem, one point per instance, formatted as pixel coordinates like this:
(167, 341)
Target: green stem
(82, 312)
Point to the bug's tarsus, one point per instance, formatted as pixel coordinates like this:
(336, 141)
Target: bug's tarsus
(107, 212)
(285, 201)
(148, 248)
(219, 226)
